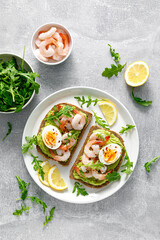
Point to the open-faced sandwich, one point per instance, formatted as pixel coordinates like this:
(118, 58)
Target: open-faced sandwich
(60, 132)
(102, 153)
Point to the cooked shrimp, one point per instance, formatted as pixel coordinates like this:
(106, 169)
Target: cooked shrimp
(47, 34)
(43, 47)
(89, 150)
(79, 120)
(87, 174)
(67, 146)
(85, 159)
(84, 169)
(39, 55)
(58, 38)
(94, 136)
(61, 158)
(56, 56)
(38, 42)
(103, 169)
(64, 51)
(65, 124)
(98, 175)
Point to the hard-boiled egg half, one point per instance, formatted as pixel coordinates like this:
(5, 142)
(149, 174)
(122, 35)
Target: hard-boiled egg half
(110, 154)
(52, 137)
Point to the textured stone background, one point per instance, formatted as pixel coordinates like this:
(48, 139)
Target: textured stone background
(133, 28)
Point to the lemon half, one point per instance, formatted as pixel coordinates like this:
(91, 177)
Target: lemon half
(55, 180)
(137, 73)
(109, 111)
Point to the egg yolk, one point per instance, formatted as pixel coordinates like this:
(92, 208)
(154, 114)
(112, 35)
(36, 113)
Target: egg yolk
(50, 138)
(109, 155)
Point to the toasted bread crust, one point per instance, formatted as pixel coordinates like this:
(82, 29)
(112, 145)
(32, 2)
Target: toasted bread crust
(89, 117)
(82, 150)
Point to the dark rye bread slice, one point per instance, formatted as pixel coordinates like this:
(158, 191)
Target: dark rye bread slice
(82, 151)
(89, 117)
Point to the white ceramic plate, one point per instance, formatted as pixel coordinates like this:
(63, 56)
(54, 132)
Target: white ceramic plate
(67, 95)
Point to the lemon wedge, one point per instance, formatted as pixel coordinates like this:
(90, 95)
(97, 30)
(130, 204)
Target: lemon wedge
(137, 73)
(46, 166)
(55, 180)
(109, 111)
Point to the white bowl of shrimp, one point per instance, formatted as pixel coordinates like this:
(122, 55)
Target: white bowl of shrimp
(52, 43)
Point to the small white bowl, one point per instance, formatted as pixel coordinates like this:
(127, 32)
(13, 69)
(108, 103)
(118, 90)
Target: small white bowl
(46, 27)
(27, 67)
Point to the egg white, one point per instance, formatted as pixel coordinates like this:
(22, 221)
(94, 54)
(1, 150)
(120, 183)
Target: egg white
(111, 146)
(58, 136)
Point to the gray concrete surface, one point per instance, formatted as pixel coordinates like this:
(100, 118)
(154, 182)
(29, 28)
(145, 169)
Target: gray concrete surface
(133, 28)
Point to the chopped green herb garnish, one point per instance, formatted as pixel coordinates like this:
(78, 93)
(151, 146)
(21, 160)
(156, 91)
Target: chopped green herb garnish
(24, 208)
(127, 128)
(111, 177)
(140, 101)
(114, 70)
(128, 165)
(88, 102)
(100, 121)
(23, 186)
(29, 145)
(50, 216)
(148, 164)
(97, 165)
(114, 54)
(9, 130)
(72, 134)
(80, 189)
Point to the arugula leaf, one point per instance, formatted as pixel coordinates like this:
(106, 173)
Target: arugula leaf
(99, 135)
(147, 164)
(30, 141)
(9, 130)
(50, 216)
(97, 165)
(23, 186)
(66, 111)
(16, 85)
(100, 121)
(38, 201)
(140, 101)
(111, 177)
(72, 134)
(127, 128)
(37, 166)
(88, 102)
(24, 208)
(114, 70)
(127, 165)
(114, 55)
(80, 189)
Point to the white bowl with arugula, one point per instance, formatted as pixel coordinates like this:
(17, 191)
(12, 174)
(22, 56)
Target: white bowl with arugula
(17, 83)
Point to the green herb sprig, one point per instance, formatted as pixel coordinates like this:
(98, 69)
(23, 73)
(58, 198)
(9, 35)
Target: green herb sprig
(80, 189)
(97, 165)
(37, 166)
(48, 219)
(100, 121)
(114, 54)
(128, 165)
(114, 70)
(111, 177)
(29, 145)
(140, 101)
(23, 186)
(148, 164)
(127, 128)
(24, 208)
(85, 101)
(9, 130)
(38, 201)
